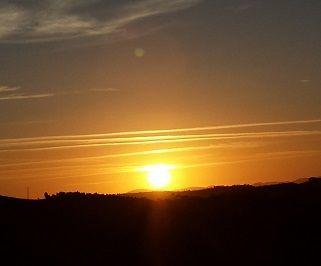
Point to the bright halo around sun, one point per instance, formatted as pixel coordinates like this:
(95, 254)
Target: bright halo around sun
(158, 175)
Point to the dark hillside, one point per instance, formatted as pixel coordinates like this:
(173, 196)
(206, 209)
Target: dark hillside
(238, 225)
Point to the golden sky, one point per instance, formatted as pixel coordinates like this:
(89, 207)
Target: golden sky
(199, 156)
(221, 92)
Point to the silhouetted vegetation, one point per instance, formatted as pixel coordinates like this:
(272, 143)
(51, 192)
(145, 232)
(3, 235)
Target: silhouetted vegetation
(239, 225)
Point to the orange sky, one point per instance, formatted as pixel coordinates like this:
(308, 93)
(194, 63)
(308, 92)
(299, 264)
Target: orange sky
(201, 156)
(226, 92)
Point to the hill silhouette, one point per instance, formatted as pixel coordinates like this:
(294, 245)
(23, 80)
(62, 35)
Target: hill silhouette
(237, 225)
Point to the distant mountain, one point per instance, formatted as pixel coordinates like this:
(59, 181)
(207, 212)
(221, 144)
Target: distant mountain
(210, 191)
(189, 189)
(260, 184)
(296, 181)
(138, 191)
(176, 190)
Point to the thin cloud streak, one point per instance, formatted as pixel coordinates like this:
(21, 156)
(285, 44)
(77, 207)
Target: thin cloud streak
(4, 90)
(90, 143)
(161, 131)
(23, 123)
(131, 154)
(75, 166)
(8, 88)
(26, 97)
(4, 96)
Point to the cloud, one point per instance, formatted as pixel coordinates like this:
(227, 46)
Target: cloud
(30, 122)
(26, 97)
(10, 20)
(151, 134)
(52, 144)
(7, 88)
(6, 94)
(187, 143)
(218, 140)
(52, 20)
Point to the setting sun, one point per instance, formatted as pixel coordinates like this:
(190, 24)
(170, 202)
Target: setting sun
(158, 176)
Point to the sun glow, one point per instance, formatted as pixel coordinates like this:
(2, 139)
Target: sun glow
(158, 176)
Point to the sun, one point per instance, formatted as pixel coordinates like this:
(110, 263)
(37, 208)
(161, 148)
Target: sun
(158, 175)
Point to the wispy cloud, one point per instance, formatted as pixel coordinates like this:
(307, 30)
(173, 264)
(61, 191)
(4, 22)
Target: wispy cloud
(148, 152)
(16, 93)
(27, 122)
(8, 89)
(166, 131)
(6, 93)
(26, 97)
(51, 144)
(149, 144)
(52, 20)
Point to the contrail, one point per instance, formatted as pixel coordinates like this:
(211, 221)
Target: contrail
(88, 143)
(161, 131)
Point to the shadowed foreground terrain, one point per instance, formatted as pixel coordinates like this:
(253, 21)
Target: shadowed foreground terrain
(239, 225)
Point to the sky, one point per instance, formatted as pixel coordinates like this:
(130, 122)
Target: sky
(92, 91)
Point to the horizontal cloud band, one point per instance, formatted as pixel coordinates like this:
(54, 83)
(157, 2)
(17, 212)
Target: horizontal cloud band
(52, 20)
(204, 141)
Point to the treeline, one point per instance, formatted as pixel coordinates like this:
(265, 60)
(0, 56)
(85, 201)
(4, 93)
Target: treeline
(206, 192)
(238, 225)
(77, 195)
